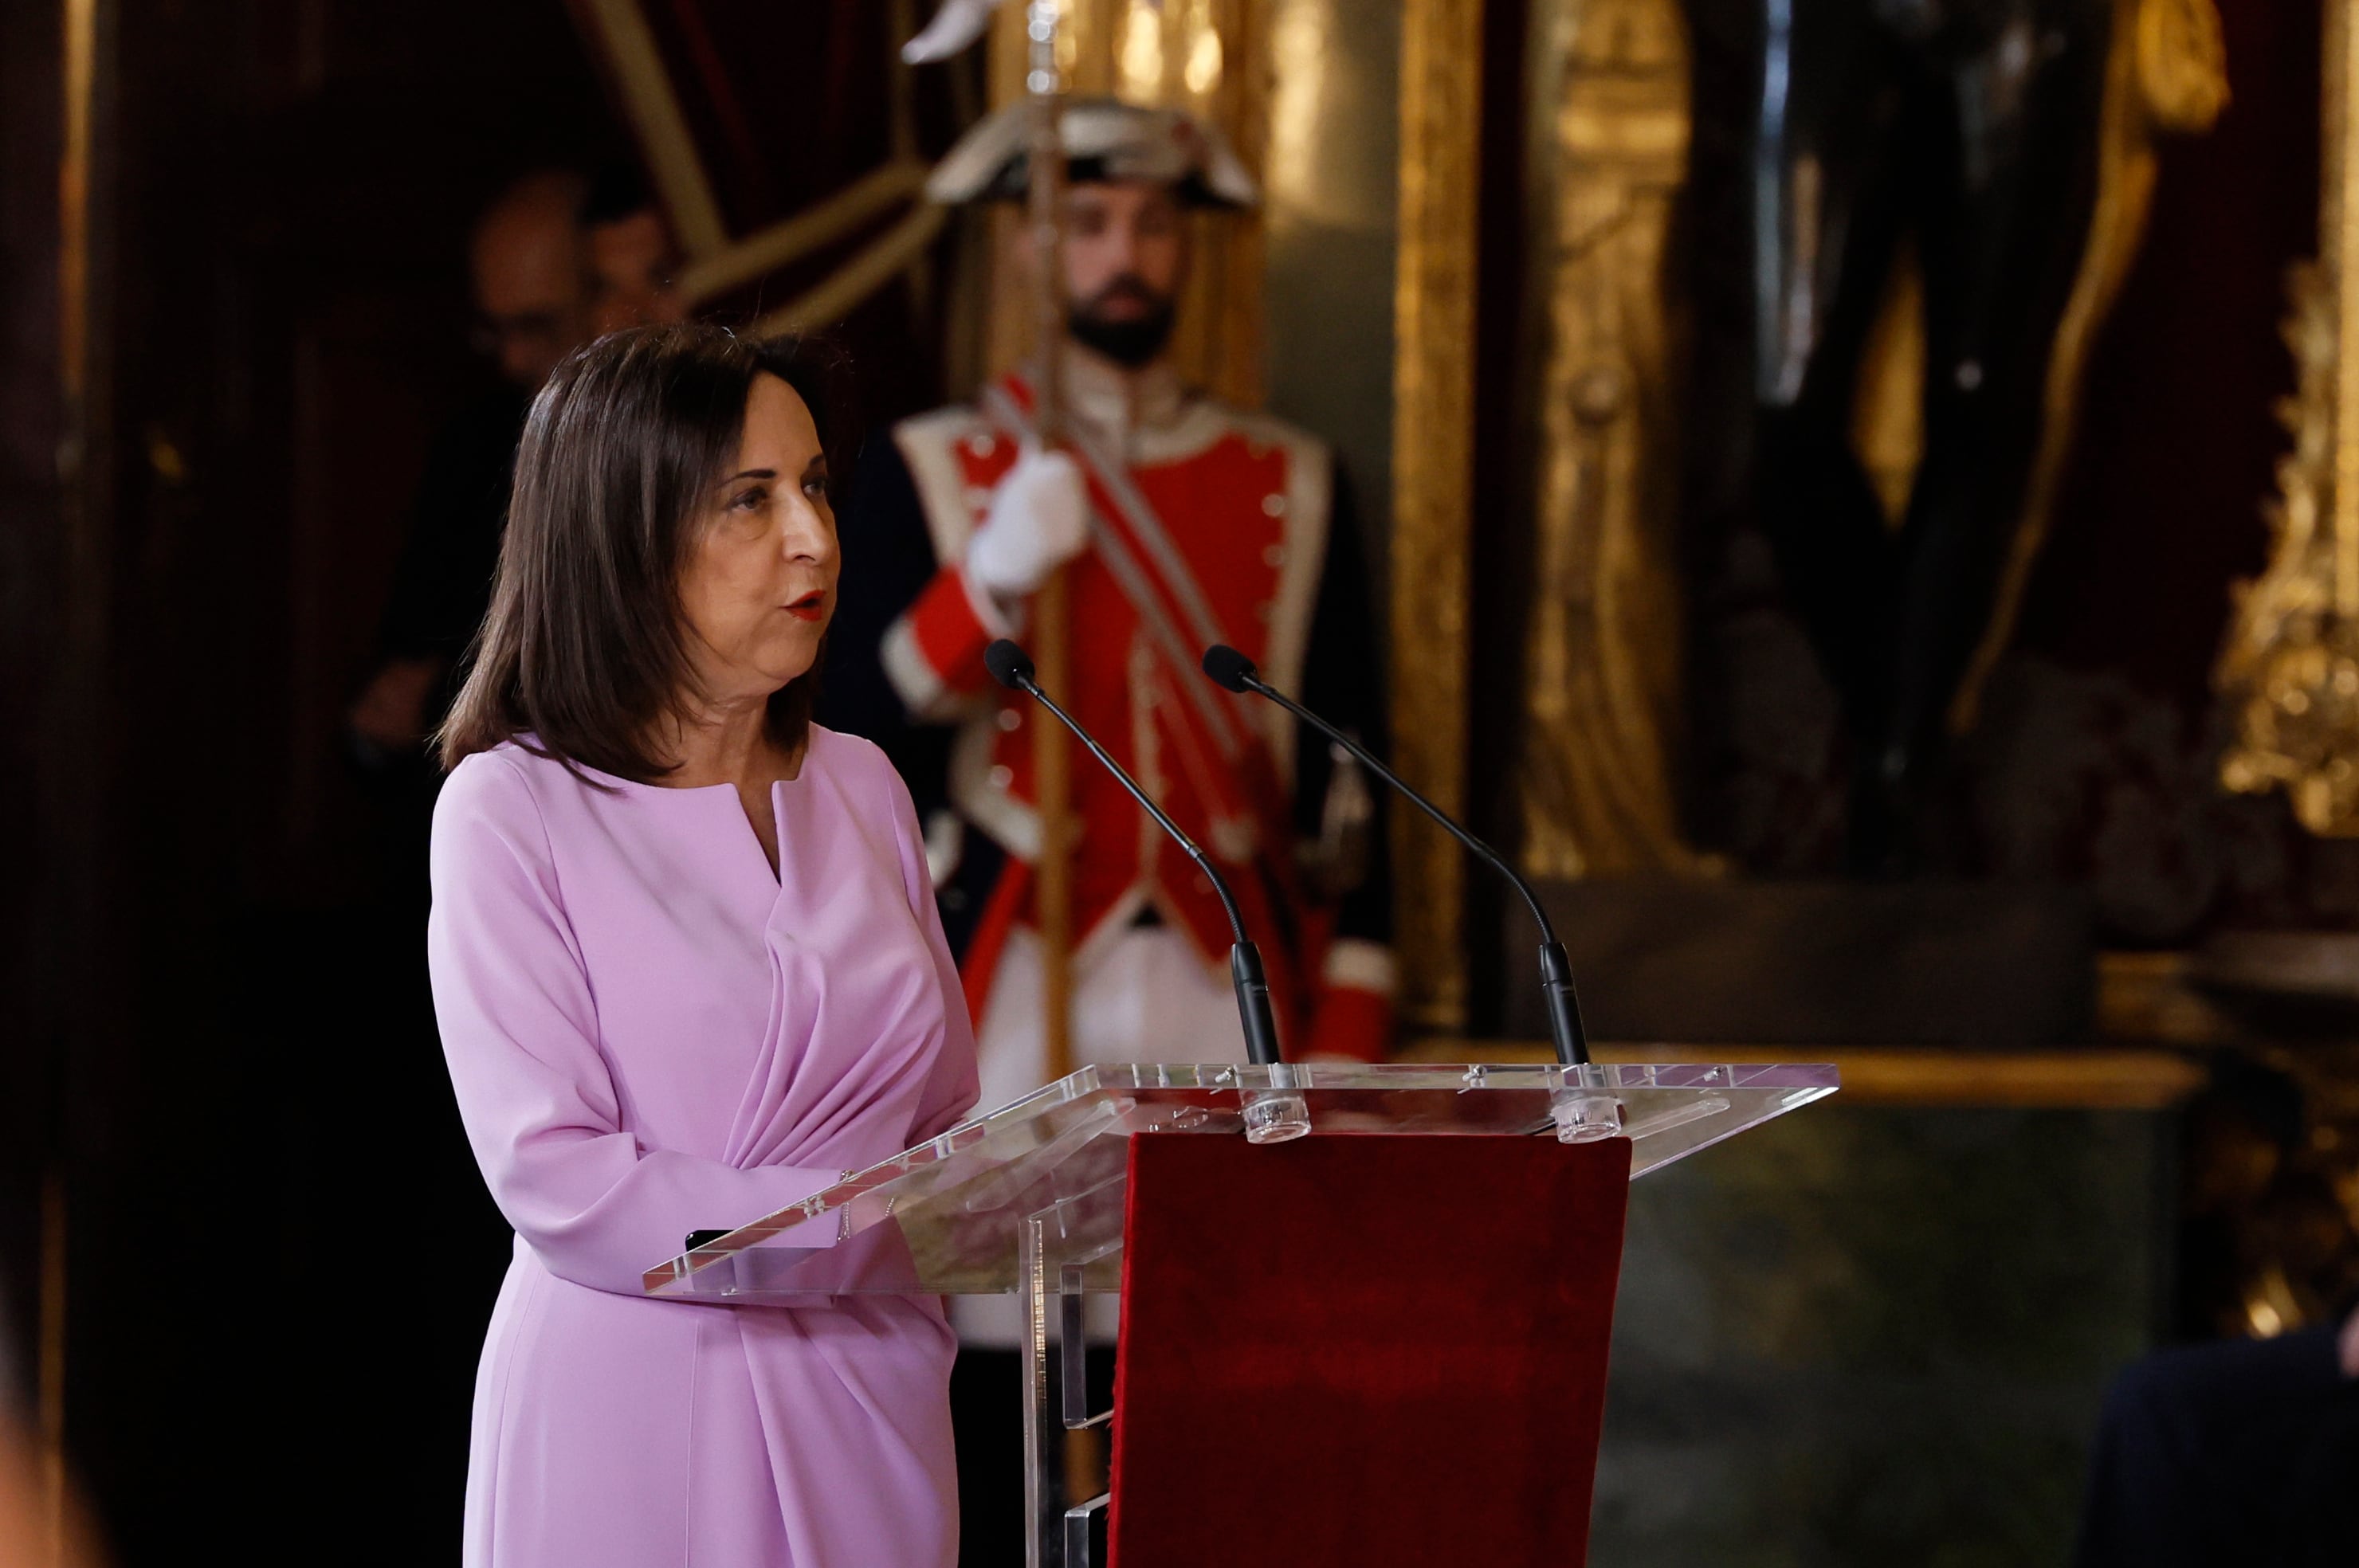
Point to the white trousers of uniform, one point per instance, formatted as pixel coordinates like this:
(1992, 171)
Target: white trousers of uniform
(1145, 996)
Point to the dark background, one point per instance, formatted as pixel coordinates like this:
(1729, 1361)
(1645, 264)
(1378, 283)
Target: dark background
(276, 1246)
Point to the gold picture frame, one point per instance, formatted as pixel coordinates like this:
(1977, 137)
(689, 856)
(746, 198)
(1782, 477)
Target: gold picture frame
(1433, 487)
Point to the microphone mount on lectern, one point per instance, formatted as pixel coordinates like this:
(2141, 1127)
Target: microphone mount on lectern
(1271, 1116)
(1584, 1108)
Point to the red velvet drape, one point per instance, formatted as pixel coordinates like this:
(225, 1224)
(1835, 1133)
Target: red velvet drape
(1363, 1349)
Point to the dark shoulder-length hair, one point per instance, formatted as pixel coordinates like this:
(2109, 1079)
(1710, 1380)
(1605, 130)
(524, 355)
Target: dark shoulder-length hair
(584, 648)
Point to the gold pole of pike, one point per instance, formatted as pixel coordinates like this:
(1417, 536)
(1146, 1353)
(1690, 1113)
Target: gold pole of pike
(1052, 759)
(1051, 756)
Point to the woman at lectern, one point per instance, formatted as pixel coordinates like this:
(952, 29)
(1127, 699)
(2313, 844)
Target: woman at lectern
(687, 970)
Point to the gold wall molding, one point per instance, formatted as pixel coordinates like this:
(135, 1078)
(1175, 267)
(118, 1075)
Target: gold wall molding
(1433, 463)
(2290, 663)
(1601, 668)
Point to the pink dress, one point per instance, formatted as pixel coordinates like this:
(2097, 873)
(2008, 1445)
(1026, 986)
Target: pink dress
(649, 1035)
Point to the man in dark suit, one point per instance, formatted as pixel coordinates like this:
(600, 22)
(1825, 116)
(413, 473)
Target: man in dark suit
(2244, 1452)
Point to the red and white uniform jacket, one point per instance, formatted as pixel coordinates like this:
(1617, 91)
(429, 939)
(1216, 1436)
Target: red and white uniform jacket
(1209, 524)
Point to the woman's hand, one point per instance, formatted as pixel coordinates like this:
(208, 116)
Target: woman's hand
(1038, 520)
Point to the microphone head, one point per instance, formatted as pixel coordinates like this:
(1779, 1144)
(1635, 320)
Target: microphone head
(1228, 667)
(1010, 666)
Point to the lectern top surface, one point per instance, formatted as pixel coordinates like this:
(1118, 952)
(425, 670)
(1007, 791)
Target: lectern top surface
(949, 1214)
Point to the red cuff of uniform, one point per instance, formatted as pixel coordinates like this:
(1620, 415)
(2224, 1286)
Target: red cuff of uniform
(948, 633)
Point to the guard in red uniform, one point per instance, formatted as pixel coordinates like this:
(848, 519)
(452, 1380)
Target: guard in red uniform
(1182, 523)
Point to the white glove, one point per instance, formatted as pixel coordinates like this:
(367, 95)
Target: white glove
(958, 24)
(1040, 519)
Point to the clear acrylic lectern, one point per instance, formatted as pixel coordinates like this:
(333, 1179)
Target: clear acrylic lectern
(1030, 1200)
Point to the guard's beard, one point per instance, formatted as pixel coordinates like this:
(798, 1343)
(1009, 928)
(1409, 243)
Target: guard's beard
(1130, 341)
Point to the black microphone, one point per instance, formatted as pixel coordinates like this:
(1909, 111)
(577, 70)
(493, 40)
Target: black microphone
(1232, 669)
(1012, 667)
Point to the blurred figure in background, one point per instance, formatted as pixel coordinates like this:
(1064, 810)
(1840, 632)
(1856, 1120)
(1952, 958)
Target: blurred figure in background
(534, 300)
(558, 259)
(2246, 1452)
(633, 262)
(1182, 522)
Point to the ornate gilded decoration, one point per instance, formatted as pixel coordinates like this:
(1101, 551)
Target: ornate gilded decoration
(2291, 661)
(2290, 1203)
(1602, 670)
(2271, 1185)
(1433, 461)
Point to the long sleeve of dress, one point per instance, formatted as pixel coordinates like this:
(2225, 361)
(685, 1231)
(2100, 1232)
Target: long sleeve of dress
(519, 1030)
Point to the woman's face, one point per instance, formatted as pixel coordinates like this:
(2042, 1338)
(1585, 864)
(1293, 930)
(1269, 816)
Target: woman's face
(759, 583)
